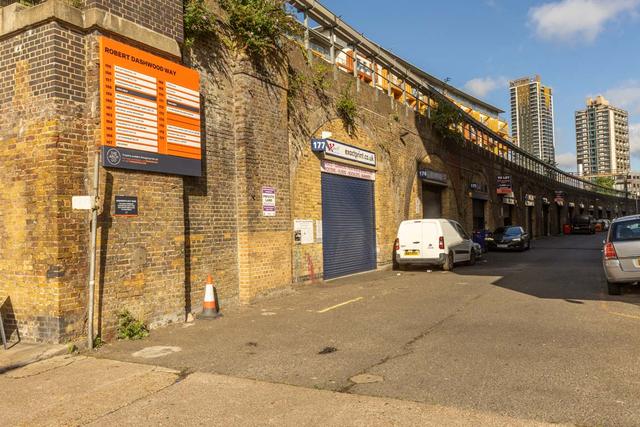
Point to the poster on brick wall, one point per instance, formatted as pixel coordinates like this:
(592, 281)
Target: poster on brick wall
(150, 112)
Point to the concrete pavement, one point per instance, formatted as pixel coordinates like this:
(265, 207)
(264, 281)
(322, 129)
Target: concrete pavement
(524, 336)
(78, 390)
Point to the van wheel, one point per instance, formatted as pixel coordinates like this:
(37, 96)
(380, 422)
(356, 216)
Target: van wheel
(614, 288)
(472, 258)
(448, 264)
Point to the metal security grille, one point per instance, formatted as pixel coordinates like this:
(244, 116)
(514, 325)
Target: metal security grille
(348, 236)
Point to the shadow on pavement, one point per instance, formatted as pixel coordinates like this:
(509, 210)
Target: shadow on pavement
(567, 268)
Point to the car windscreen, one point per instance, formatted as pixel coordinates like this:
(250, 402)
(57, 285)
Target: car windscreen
(625, 230)
(582, 219)
(508, 231)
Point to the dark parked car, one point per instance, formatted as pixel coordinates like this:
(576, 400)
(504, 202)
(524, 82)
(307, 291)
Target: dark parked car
(584, 224)
(509, 238)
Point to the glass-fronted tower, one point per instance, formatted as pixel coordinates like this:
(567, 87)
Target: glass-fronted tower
(532, 117)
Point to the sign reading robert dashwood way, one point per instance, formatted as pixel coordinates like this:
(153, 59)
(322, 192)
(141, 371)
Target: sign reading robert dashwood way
(150, 111)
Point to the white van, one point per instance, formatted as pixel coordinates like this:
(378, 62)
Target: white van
(439, 242)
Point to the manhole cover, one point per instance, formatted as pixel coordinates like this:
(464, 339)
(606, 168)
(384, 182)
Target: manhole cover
(366, 379)
(156, 351)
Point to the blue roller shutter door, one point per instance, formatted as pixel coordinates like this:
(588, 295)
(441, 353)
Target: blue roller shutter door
(348, 235)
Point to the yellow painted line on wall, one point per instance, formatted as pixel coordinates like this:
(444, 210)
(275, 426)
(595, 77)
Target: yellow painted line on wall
(340, 305)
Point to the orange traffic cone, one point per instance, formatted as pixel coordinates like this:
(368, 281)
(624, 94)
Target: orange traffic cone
(210, 309)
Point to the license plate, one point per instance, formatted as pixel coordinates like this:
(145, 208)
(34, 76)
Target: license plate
(503, 246)
(412, 253)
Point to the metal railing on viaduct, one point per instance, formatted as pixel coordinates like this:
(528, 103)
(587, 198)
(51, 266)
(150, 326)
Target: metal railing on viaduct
(328, 37)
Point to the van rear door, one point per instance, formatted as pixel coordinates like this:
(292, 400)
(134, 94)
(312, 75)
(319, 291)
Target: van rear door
(431, 240)
(410, 237)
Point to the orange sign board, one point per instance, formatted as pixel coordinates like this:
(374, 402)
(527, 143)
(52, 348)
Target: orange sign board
(150, 110)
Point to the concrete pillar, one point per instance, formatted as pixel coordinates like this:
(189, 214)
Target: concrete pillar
(355, 66)
(306, 36)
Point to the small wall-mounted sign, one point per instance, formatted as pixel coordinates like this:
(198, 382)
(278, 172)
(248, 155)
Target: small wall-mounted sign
(303, 231)
(84, 203)
(529, 200)
(503, 184)
(318, 145)
(268, 201)
(509, 199)
(126, 206)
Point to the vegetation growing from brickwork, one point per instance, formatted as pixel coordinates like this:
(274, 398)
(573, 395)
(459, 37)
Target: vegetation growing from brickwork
(199, 21)
(319, 80)
(446, 119)
(258, 27)
(604, 181)
(130, 328)
(347, 109)
(608, 182)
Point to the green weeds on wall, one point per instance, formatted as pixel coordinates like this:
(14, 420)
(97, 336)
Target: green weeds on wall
(199, 21)
(258, 27)
(446, 119)
(347, 109)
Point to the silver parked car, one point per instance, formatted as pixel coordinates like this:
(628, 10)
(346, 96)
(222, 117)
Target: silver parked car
(621, 255)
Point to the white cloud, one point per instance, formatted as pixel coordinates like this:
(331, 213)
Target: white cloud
(577, 20)
(482, 86)
(634, 139)
(626, 95)
(567, 161)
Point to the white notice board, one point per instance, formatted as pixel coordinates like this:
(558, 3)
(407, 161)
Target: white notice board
(305, 229)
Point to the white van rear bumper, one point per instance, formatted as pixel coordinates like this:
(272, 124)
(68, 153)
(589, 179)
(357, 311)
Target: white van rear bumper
(421, 261)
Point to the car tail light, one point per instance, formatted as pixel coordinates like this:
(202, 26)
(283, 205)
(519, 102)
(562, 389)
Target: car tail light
(610, 251)
(441, 242)
(396, 245)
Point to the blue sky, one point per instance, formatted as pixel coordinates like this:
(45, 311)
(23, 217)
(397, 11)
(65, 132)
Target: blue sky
(580, 48)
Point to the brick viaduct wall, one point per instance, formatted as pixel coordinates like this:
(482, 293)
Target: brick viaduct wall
(404, 141)
(155, 264)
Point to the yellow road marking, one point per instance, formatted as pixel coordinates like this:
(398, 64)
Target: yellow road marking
(340, 305)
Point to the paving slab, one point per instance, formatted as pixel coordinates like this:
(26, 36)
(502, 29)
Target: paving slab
(75, 390)
(221, 400)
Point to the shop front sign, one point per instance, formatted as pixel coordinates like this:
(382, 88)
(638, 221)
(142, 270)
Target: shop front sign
(346, 170)
(478, 191)
(529, 200)
(432, 176)
(509, 199)
(343, 151)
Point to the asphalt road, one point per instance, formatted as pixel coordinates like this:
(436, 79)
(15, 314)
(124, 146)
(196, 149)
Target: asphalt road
(529, 335)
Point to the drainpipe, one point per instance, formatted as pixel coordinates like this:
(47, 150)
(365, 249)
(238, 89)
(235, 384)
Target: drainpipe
(92, 249)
